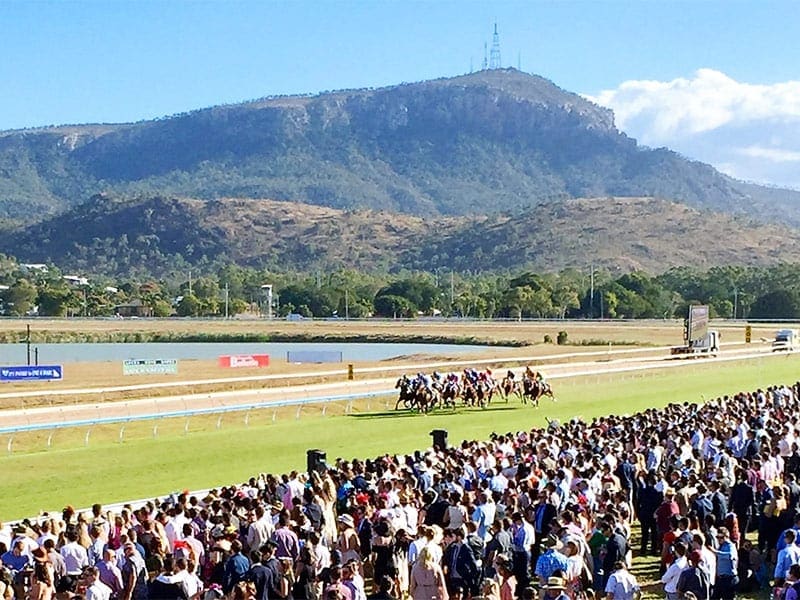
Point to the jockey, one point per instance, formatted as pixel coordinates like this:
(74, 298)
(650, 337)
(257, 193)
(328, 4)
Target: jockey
(530, 373)
(437, 380)
(427, 381)
(510, 375)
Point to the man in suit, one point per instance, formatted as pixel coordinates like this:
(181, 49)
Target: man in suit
(460, 569)
(616, 548)
(649, 499)
(265, 572)
(719, 502)
(543, 515)
(742, 500)
(752, 447)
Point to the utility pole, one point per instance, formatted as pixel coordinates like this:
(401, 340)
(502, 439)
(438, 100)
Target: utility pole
(190, 282)
(452, 289)
(346, 305)
(28, 342)
(735, 300)
(591, 292)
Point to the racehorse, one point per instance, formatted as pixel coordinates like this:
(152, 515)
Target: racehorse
(534, 389)
(509, 386)
(485, 392)
(424, 399)
(407, 393)
(449, 393)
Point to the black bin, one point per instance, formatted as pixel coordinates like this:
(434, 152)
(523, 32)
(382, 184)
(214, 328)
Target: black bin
(316, 460)
(439, 438)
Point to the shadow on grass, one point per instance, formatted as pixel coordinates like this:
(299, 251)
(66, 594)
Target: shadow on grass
(388, 414)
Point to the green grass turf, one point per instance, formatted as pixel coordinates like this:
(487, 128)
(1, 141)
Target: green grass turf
(35, 478)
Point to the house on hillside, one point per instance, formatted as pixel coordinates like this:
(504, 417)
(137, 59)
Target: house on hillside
(28, 267)
(134, 308)
(75, 280)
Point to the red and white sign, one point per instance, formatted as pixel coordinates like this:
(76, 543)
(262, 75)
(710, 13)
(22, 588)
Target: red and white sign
(244, 361)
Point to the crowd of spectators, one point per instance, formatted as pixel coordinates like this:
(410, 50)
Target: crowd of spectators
(540, 513)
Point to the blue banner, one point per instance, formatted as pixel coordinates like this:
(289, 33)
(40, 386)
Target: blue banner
(313, 356)
(32, 373)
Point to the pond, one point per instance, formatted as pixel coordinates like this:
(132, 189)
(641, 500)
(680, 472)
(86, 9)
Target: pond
(15, 354)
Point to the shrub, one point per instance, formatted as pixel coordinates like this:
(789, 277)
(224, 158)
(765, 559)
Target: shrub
(548, 339)
(562, 338)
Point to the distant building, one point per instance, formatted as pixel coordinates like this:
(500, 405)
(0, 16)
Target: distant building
(76, 280)
(34, 267)
(134, 308)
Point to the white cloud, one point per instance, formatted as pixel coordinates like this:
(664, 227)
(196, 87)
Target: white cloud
(771, 154)
(752, 130)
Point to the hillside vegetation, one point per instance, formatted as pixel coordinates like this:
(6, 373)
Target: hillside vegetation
(485, 143)
(156, 235)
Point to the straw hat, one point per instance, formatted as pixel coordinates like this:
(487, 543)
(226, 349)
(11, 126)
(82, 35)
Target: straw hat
(347, 520)
(555, 583)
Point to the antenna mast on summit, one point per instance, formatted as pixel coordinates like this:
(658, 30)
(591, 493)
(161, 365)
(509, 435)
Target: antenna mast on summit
(494, 56)
(485, 64)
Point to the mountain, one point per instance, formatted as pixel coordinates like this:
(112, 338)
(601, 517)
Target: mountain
(162, 235)
(485, 143)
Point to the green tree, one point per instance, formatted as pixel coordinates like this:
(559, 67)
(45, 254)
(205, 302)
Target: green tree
(19, 298)
(162, 308)
(777, 304)
(53, 301)
(189, 306)
(419, 291)
(517, 300)
(392, 306)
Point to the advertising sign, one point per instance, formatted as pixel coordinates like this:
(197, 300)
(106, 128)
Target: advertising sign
(32, 373)
(150, 366)
(239, 361)
(698, 322)
(313, 356)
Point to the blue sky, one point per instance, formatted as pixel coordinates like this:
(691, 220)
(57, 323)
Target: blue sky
(112, 61)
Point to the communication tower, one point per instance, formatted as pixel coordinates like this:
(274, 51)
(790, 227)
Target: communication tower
(494, 56)
(485, 64)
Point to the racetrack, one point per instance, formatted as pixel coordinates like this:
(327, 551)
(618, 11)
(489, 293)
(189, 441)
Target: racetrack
(605, 362)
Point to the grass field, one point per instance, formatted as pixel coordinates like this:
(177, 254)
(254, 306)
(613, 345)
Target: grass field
(196, 454)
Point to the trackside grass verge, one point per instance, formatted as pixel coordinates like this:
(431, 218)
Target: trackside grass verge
(205, 452)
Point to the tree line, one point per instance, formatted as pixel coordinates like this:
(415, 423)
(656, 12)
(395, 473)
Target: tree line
(730, 291)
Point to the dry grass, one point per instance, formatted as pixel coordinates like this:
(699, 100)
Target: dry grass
(639, 332)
